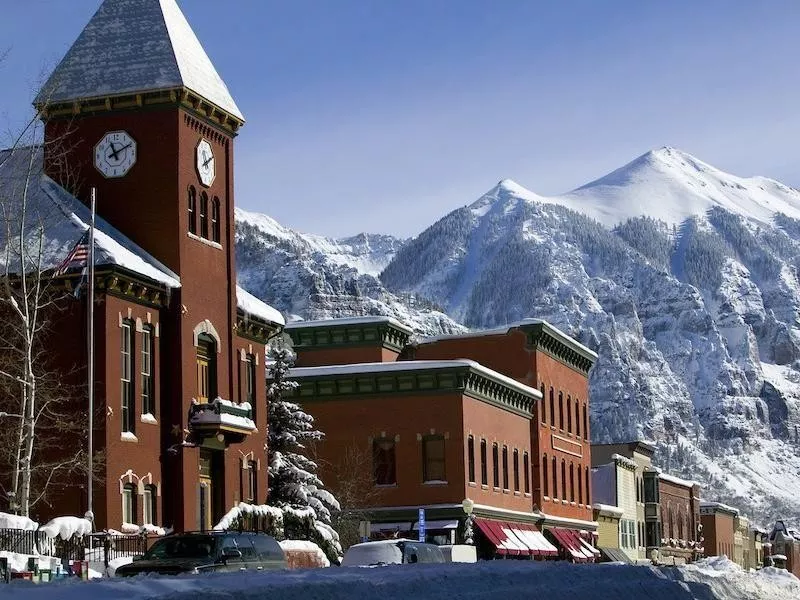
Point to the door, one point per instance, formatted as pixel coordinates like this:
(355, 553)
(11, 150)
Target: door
(206, 496)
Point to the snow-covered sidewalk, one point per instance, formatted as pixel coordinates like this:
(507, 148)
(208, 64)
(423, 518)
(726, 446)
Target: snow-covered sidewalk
(715, 579)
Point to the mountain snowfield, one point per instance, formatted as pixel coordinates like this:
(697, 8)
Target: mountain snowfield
(693, 309)
(314, 277)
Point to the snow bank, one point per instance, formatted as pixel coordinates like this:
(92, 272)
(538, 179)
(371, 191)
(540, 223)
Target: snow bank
(8, 521)
(485, 580)
(305, 546)
(66, 527)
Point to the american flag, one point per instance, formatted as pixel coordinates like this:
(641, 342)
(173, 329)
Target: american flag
(77, 257)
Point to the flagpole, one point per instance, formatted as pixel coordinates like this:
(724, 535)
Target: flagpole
(90, 343)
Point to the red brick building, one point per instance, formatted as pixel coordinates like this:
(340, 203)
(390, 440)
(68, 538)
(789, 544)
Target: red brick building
(679, 505)
(149, 123)
(457, 418)
(718, 528)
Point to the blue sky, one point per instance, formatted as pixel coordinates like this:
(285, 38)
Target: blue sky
(382, 116)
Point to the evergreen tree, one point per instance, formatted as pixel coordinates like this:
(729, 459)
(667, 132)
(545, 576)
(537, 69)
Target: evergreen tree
(294, 486)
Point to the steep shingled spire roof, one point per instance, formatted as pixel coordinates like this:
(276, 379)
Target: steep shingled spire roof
(132, 46)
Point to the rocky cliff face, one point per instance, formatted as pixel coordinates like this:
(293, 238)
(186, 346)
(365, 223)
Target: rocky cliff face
(312, 277)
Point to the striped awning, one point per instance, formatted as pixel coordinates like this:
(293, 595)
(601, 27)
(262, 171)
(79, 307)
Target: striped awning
(516, 539)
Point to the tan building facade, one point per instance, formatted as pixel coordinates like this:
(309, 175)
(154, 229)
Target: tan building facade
(615, 484)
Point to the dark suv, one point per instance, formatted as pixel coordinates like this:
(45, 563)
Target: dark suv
(207, 552)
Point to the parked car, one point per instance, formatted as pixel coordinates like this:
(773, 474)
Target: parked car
(391, 552)
(208, 551)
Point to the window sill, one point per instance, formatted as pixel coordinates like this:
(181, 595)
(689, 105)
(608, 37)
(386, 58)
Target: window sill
(472, 484)
(545, 497)
(484, 486)
(527, 494)
(505, 491)
(203, 240)
(572, 504)
(149, 419)
(564, 502)
(517, 494)
(435, 483)
(127, 436)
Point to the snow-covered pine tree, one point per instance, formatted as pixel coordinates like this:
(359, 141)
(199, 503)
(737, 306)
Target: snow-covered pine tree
(294, 486)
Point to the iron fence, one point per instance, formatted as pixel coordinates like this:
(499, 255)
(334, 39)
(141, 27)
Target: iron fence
(23, 541)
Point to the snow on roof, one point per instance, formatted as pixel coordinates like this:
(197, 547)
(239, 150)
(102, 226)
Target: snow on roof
(257, 308)
(412, 365)
(505, 329)
(365, 320)
(677, 480)
(718, 506)
(624, 460)
(608, 509)
(133, 46)
(66, 219)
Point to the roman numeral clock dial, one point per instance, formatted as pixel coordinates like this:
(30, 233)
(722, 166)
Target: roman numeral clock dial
(115, 154)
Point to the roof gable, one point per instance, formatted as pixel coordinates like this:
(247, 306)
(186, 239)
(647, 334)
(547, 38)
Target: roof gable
(132, 46)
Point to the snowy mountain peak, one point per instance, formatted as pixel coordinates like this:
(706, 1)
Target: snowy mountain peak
(671, 185)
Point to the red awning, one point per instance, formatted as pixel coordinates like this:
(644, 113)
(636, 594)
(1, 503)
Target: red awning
(503, 538)
(568, 540)
(536, 541)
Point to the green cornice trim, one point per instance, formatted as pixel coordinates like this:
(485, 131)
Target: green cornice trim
(348, 336)
(463, 380)
(547, 339)
(254, 329)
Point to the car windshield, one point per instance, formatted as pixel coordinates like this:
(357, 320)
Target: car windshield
(373, 553)
(193, 546)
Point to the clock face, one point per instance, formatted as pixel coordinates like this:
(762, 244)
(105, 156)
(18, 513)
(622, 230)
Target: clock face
(115, 154)
(206, 167)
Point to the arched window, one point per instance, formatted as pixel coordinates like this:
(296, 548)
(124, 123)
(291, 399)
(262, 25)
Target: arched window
(545, 483)
(127, 398)
(577, 418)
(215, 219)
(495, 466)
(552, 408)
(569, 414)
(148, 369)
(206, 368)
(484, 468)
(572, 482)
(149, 504)
(204, 215)
(471, 459)
(526, 470)
(129, 512)
(192, 207)
(515, 466)
(542, 414)
(580, 486)
(561, 410)
(505, 467)
(563, 479)
(555, 478)
(585, 424)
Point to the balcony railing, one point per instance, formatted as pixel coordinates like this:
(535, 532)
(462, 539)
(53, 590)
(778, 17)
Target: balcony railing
(227, 421)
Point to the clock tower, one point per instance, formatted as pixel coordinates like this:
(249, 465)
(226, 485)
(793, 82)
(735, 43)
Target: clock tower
(137, 110)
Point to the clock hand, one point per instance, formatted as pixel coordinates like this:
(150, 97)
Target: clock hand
(205, 164)
(114, 152)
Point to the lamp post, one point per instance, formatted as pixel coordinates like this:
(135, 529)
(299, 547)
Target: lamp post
(468, 505)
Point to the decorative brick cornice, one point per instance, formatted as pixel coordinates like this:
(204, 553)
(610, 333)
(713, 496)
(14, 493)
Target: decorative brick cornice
(349, 333)
(254, 329)
(545, 338)
(376, 384)
(183, 97)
